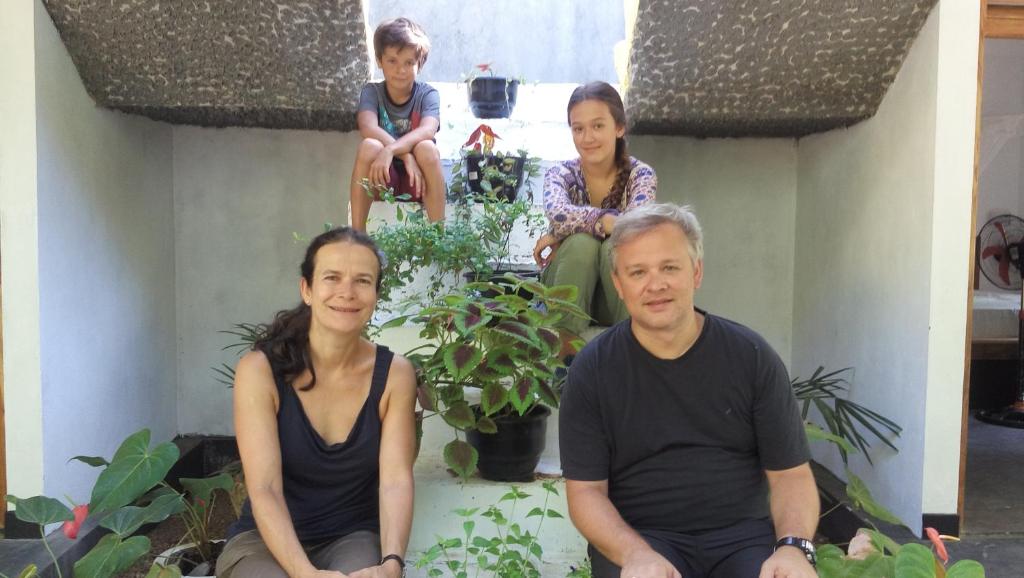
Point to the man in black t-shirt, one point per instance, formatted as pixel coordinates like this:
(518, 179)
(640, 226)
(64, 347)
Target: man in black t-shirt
(681, 440)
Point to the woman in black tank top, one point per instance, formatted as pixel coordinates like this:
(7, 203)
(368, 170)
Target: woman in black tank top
(325, 427)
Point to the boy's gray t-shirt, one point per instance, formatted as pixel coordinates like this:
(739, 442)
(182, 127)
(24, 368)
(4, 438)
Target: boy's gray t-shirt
(399, 119)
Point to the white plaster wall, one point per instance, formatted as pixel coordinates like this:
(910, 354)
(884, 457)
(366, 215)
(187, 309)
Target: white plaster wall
(955, 129)
(881, 248)
(22, 397)
(106, 272)
(507, 34)
(744, 192)
(239, 195)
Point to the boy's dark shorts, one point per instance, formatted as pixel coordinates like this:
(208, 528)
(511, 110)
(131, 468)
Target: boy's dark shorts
(398, 180)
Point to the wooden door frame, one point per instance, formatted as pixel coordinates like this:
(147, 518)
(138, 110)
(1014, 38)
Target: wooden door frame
(999, 19)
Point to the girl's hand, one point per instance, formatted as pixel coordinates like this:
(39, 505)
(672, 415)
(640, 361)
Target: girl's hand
(548, 241)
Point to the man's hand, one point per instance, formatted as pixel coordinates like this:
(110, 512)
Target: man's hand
(390, 569)
(323, 574)
(787, 562)
(548, 240)
(412, 169)
(380, 168)
(648, 564)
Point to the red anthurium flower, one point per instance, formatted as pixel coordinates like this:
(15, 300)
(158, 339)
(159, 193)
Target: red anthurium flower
(940, 548)
(71, 527)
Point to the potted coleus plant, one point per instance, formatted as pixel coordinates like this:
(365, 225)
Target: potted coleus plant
(482, 172)
(491, 96)
(488, 339)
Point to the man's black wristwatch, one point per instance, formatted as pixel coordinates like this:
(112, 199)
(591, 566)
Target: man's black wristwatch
(396, 558)
(804, 545)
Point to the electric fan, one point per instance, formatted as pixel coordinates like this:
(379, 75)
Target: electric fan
(1001, 260)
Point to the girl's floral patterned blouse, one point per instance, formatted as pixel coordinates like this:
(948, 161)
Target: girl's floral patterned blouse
(567, 204)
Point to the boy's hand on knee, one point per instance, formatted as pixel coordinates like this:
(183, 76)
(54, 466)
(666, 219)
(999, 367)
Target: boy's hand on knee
(380, 168)
(412, 169)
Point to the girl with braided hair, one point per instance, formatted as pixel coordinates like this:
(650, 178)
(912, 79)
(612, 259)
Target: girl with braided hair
(582, 199)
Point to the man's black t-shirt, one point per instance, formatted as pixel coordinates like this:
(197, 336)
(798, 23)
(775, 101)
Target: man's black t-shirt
(684, 442)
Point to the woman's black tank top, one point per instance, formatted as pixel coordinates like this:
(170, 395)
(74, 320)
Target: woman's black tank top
(330, 490)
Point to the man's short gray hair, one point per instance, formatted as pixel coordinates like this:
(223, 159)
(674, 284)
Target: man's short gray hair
(642, 219)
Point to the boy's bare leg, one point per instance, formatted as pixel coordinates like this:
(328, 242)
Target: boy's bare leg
(429, 160)
(359, 200)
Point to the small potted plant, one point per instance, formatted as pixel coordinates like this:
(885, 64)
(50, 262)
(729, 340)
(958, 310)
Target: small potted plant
(491, 96)
(489, 339)
(482, 172)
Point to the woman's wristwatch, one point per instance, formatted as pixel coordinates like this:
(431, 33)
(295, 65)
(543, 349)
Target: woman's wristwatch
(804, 545)
(396, 558)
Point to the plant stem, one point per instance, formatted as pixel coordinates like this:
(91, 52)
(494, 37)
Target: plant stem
(56, 564)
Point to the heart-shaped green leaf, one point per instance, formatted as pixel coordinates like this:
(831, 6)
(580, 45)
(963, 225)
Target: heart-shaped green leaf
(201, 488)
(161, 571)
(861, 496)
(111, 556)
(134, 470)
(40, 510)
(126, 520)
(915, 561)
(966, 569)
(486, 425)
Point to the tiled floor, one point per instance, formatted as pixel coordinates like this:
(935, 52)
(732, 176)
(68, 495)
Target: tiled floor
(994, 500)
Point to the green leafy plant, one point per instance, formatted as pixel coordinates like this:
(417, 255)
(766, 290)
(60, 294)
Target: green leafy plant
(244, 336)
(134, 470)
(512, 552)
(843, 418)
(128, 494)
(880, 555)
(498, 338)
(482, 171)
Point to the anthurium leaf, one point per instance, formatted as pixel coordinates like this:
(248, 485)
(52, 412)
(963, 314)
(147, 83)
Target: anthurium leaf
(161, 571)
(815, 433)
(966, 569)
(493, 398)
(111, 556)
(461, 458)
(881, 542)
(40, 510)
(134, 470)
(486, 425)
(523, 394)
(915, 561)
(459, 415)
(126, 520)
(460, 359)
(94, 461)
(201, 488)
(858, 492)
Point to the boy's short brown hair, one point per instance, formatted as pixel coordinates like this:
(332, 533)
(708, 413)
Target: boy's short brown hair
(401, 33)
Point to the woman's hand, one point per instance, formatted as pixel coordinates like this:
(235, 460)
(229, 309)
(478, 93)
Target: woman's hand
(548, 241)
(608, 223)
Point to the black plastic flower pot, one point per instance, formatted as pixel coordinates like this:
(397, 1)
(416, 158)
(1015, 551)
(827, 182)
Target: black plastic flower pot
(497, 277)
(508, 166)
(492, 96)
(512, 454)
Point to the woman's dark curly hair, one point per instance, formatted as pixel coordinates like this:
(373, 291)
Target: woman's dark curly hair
(286, 340)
